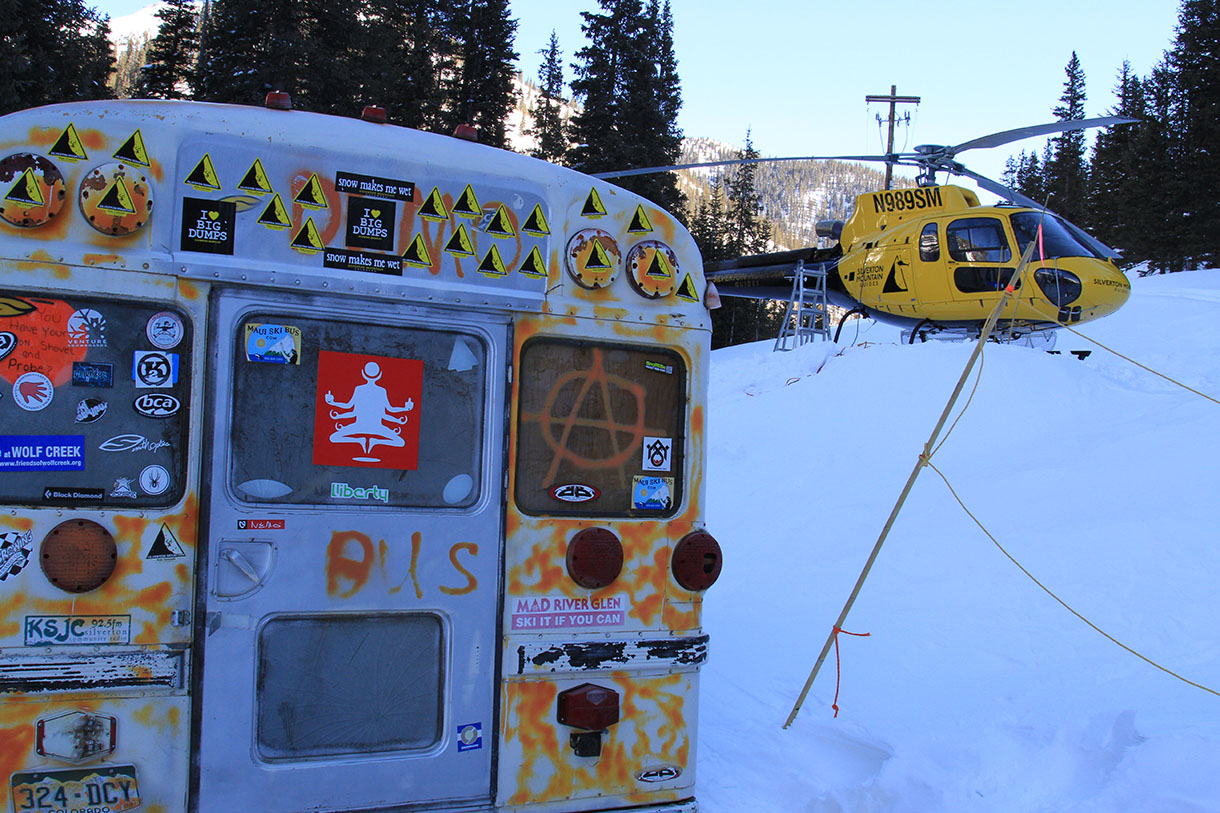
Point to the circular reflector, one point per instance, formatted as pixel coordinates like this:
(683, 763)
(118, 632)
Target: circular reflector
(32, 190)
(593, 258)
(116, 199)
(696, 561)
(654, 269)
(78, 555)
(595, 558)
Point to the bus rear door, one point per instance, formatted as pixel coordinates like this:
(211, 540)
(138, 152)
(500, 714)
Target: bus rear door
(350, 635)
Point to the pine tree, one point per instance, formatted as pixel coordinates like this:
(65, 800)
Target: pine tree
(742, 231)
(55, 51)
(627, 80)
(1116, 209)
(1195, 61)
(172, 53)
(303, 47)
(414, 49)
(483, 91)
(1025, 174)
(747, 231)
(549, 129)
(1066, 172)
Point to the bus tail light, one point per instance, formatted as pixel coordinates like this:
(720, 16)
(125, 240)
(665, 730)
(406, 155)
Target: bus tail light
(78, 555)
(595, 558)
(374, 114)
(696, 561)
(592, 709)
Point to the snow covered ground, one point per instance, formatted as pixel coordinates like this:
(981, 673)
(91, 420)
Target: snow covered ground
(975, 691)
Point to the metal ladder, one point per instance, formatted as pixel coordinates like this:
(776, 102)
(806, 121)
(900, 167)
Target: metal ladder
(808, 305)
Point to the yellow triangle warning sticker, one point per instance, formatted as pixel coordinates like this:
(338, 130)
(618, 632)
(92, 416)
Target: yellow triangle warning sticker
(534, 265)
(26, 190)
(640, 224)
(68, 145)
(417, 253)
(593, 205)
(659, 267)
(255, 180)
(687, 290)
(492, 264)
(133, 150)
(536, 223)
(459, 243)
(501, 225)
(598, 259)
(203, 176)
(311, 194)
(275, 215)
(433, 207)
(308, 239)
(467, 205)
(117, 199)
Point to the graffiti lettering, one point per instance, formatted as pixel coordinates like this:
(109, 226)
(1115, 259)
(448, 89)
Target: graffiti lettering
(350, 559)
(471, 581)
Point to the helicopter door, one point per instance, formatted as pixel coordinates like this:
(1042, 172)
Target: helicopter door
(353, 547)
(980, 257)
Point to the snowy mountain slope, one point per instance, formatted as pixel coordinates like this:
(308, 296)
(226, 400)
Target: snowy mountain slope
(974, 690)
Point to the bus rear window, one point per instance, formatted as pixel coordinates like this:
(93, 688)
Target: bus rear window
(600, 429)
(345, 413)
(94, 401)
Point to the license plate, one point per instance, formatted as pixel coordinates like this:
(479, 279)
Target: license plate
(102, 789)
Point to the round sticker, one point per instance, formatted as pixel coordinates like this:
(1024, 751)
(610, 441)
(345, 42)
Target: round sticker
(165, 330)
(154, 479)
(33, 392)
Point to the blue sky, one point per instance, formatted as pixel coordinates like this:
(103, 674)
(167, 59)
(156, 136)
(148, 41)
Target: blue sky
(796, 73)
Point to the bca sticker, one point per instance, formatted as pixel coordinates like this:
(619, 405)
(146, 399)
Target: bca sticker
(366, 411)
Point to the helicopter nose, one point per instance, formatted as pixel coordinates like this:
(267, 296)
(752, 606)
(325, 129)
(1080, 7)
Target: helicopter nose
(1108, 289)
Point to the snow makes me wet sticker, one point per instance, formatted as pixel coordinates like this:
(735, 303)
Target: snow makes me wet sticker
(366, 411)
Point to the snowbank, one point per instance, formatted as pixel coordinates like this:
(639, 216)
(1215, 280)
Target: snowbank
(975, 690)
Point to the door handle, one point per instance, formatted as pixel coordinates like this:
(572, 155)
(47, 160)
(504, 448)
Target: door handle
(239, 561)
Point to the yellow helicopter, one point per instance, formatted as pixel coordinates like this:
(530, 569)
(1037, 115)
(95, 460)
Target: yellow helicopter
(933, 259)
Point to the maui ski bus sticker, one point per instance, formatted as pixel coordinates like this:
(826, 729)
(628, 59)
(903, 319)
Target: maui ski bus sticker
(366, 411)
(652, 493)
(276, 344)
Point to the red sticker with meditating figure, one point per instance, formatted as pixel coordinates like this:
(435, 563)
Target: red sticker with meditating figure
(366, 411)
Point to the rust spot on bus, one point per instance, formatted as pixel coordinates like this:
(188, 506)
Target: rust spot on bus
(188, 290)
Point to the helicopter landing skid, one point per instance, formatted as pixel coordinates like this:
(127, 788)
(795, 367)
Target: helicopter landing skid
(927, 329)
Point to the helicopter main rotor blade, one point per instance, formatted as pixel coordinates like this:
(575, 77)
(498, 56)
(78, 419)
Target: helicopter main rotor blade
(624, 173)
(997, 139)
(997, 188)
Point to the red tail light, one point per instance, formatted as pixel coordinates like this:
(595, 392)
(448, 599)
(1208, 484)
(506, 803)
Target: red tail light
(78, 555)
(696, 561)
(595, 558)
(588, 706)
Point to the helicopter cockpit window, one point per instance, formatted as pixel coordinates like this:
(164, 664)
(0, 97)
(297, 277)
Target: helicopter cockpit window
(929, 244)
(977, 240)
(1057, 237)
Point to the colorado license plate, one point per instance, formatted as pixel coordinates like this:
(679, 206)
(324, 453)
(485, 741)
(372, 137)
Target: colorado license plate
(102, 789)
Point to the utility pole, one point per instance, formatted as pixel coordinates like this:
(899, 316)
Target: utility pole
(894, 99)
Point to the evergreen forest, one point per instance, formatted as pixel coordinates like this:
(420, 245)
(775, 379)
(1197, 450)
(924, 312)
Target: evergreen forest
(1147, 189)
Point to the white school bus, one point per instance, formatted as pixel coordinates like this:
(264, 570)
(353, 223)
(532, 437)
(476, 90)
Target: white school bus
(343, 467)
